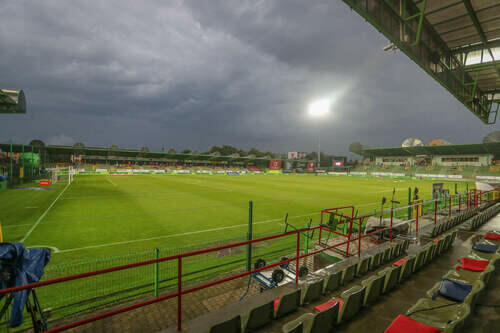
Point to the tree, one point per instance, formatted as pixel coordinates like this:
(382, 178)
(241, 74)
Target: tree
(356, 148)
(114, 147)
(256, 152)
(144, 149)
(171, 151)
(37, 143)
(186, 151)
(195, 152)
(79, 145)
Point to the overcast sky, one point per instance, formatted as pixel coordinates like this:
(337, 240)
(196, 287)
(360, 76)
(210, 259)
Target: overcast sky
(197, 73)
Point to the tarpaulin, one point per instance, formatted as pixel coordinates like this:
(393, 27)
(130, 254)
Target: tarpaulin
(473, 264)
(27, 266)
(486, 248)
(454, 290)
(403, 324)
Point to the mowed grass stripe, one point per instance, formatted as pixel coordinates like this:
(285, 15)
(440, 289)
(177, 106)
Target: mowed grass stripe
(138, 214)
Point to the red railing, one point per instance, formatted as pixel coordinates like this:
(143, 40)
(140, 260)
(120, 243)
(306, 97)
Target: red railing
(179, 258)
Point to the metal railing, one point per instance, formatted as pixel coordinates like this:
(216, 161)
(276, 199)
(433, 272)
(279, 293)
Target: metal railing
(179, 259)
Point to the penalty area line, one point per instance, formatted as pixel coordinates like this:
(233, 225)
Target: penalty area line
(43, 215)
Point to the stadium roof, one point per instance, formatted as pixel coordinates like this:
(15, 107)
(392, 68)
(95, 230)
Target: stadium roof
(457, 42)
(121, 154)
(469, 149)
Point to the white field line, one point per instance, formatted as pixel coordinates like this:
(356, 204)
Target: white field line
(43, 215)
(190, 233)
(387, 191)
(16, 225)
(55, 249)
(199, 183)
(162, 195)
(177, 235)
(111, 182)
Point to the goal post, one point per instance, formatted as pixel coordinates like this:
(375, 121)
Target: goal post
(62, 175)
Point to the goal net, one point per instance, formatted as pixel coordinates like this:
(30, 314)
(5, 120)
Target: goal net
(62, 175)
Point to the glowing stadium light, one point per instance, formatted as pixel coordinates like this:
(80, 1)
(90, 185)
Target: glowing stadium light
(320, 107)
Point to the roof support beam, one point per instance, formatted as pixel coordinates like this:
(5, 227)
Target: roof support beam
(479, 29)
(477, 47)
(483, 66)
(432, 54)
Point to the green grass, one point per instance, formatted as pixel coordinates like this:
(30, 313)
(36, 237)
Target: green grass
(101, 221)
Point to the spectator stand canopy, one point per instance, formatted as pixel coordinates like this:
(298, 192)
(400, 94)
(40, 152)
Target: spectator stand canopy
(457, 42)
(63, 153)
(492, 148)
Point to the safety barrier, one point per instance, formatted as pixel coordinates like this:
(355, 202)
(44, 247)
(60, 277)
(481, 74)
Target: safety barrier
(479, 197)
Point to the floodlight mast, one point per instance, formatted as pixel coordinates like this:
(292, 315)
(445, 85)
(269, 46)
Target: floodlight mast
(318, 109)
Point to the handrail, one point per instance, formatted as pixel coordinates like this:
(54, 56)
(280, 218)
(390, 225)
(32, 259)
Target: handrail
(179, 258)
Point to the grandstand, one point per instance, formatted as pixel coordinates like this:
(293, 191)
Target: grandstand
(463, 161)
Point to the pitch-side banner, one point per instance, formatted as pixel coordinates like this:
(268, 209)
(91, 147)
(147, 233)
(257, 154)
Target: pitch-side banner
(275, 165)
(310, 166)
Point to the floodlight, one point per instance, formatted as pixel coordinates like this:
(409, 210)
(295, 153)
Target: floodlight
(320, 107)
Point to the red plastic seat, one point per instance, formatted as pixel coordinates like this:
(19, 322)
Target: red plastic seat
(329, 304)
(399, 262)
(437, 239)
(403, 324)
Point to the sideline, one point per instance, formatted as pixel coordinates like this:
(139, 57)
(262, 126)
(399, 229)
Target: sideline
(43, 215)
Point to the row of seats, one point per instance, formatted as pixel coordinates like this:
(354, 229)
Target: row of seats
(438, 229)
(481, 218)
(351, 301)
(323, 283)
(440, 310)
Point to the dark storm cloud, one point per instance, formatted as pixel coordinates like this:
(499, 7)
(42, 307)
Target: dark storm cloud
(199, 73)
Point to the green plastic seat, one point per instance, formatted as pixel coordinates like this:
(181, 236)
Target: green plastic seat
(453, 237)
(407, 268)
(311, 291)
(293, 327)
(375, 260)
(431, 233)
(332, 282)
(427, 255)
(374, 285)
(387, 255)
(470, 276)
(440, 246)
(363, 266)
(419, 260)
(288, 304)
(232, 325)
(447, 242)
(447, 319)
(353, 301)
(323, 321)
(432, 252)
(391, 275)
(258, 317)
(398, 251)
(406, 245)
(348, 273)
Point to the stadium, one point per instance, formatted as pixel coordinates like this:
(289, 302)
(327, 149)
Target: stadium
(403, 238)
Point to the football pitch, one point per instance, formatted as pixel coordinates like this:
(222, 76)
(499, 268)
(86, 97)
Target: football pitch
(105, 216)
